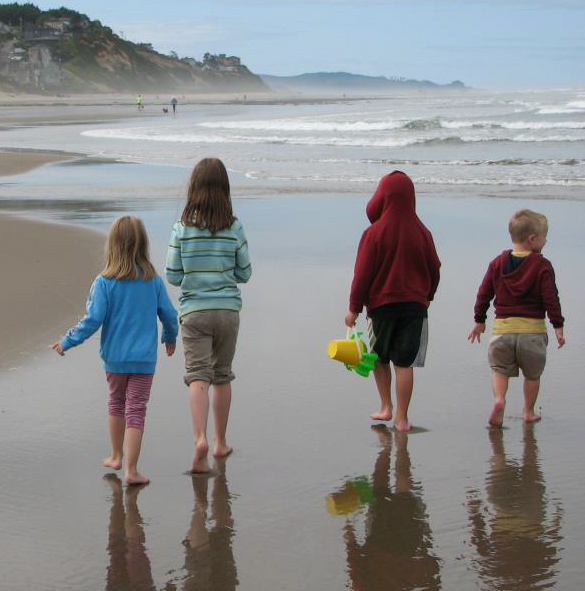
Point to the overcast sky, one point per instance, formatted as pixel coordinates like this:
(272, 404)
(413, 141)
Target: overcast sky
(487, 44)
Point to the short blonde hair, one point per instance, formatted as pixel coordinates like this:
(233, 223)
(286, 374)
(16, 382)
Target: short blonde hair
(525, 223)
(127, 251)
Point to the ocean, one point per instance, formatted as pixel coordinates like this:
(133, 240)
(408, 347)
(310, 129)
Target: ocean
(493, 144)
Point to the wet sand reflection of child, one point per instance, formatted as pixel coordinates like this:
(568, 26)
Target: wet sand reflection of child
(397, 552)
(209, 558)
(516, 532)
(129, 566)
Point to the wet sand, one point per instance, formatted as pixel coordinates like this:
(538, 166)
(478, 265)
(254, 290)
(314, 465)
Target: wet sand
(47, 271)
(314, 496)
(14, 162)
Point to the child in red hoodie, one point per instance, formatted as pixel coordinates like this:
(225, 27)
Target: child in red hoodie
(523, 284)
(395, 278)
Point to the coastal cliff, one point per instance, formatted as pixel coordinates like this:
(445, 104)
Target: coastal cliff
(62, 50)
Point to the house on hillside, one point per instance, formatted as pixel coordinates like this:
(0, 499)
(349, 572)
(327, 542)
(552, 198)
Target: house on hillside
(61, 25)
(221, 62)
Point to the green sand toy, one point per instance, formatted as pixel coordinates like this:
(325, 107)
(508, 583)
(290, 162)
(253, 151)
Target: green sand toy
(367, 359)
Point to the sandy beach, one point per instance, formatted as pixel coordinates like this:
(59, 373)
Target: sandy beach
(314, 495)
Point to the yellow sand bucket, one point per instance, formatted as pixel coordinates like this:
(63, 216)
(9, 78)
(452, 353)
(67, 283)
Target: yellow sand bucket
(348, 351)
(343, 502)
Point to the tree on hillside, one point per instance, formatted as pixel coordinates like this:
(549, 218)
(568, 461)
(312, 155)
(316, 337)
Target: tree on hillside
(16, 14)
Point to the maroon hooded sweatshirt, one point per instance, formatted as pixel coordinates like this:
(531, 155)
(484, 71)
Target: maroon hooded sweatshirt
(396, 259)
(528, 291)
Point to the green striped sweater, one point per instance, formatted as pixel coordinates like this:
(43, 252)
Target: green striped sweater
(208, 267)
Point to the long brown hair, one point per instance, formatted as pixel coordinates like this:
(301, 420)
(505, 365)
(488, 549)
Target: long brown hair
(209, 205)
(127, 251)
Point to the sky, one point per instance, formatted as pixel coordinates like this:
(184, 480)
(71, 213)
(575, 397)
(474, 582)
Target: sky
(484, 43)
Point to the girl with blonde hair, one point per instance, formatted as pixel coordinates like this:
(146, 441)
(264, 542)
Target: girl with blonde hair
(125, 300)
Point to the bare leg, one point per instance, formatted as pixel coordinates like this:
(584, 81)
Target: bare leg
(199, 398)
(499, 387)
(222, 399)
(133, 444)
(404, 385)
(531, 389)
(383, 379)
(117, 428)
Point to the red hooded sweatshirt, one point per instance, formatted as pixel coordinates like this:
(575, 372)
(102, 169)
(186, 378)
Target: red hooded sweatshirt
(396, 259)
(528, 291)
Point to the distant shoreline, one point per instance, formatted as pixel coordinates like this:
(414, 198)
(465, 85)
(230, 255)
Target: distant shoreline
(32, 109)
(162, 98)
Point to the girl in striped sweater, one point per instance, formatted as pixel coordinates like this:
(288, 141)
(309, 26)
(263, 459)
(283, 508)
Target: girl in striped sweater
(207, 258)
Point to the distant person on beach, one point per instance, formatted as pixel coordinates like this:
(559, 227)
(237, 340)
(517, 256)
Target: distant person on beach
(208, 257)
(174, 102)
(523, 284)
(397, 272)
(140, 102)
(125, 301)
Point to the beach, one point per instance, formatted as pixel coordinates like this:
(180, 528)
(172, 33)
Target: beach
(314, 495)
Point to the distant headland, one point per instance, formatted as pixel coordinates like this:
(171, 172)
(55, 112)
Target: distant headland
(343, 82)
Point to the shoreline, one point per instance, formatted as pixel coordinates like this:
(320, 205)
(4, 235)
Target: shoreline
(23, 109)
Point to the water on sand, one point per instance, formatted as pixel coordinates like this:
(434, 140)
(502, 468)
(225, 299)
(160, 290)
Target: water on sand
(313, 496)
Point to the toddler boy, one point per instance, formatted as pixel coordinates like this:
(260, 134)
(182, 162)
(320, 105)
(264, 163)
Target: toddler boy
(523, 284)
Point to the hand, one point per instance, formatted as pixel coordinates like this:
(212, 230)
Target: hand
(170, 347)
(476, 332)
(57, 347)
(560, 336)
(350, 318)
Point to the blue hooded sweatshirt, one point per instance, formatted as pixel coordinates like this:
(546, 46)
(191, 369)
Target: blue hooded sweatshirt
(127, 311)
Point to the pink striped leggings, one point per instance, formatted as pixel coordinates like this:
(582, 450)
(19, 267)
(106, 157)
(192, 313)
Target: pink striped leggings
(129, 394)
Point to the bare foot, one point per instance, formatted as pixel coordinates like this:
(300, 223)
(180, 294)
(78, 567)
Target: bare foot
(497, 417)
(402, 425)
(531, 417)
(136, 478)
(385, 414)
(200, 465)
(222, 451)
(113, 462)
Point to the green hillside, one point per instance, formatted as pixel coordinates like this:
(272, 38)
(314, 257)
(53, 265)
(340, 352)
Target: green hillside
(63, 50)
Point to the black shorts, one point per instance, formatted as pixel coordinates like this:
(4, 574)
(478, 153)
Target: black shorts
(401, 340)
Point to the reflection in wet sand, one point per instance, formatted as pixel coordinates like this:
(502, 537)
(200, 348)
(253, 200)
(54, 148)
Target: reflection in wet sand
(209, 559)
(129, 568)
(396, 553)
(516, 533)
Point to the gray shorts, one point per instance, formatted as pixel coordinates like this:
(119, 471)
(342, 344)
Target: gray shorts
(508, 353)
(209, 343)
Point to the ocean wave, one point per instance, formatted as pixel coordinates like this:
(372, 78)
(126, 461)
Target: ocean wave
(524, 182)
(300, 125)
(423, 124)
(497, 162)
(347, 178)
(514, 125)
(370, 140)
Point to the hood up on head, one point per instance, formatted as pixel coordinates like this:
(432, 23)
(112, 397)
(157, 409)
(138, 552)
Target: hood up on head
(394, 195)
